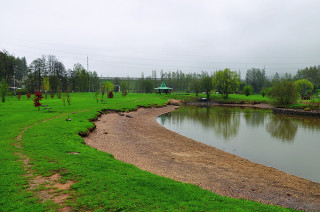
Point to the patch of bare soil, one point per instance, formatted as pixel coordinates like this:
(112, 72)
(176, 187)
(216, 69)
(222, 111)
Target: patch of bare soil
(50, 188)
(141, 141)
(46, 188)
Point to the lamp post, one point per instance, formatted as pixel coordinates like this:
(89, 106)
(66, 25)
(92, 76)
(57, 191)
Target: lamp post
(60, 85)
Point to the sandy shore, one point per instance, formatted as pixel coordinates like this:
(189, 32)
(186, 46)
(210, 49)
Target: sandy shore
(141, 141)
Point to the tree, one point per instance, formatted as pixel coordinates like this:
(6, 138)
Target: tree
(312, 74)
(46, 85)
(154, 76)
(303, 86)
(283, 93)
(195, 86)
(276, 78)
(147, 85)
(226, 82)
(109, 86)
(206, 84)
(106, 87)
(36, 67)
(124, 86)
(256, 78)
(247, 90)
(94, 81)
(4, 90)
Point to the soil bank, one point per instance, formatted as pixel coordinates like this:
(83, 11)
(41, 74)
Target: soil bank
(141, 141)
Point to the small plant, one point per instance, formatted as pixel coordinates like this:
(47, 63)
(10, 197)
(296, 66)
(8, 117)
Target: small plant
(58, 93)
(19, 96)
(110, 94)
(67, 94)
(263, 93)
(68, 98)
(28, 95)
(37, 98)
(52, 95)
(103, 90)
(64, 100)
(124, 93)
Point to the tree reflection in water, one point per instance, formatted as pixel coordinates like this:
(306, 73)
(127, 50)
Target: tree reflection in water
(225, 121)
(282, 128)
(255, 118)
(288, 143)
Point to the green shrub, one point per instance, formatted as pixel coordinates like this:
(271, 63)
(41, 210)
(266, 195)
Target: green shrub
(247, 90)
(283, 93)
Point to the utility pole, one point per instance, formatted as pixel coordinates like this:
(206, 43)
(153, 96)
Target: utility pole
(88, 71)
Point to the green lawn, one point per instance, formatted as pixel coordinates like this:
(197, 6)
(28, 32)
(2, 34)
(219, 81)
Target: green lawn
(101, 182)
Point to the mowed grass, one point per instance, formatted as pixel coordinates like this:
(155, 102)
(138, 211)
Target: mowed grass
(101, 182)
(241, 97)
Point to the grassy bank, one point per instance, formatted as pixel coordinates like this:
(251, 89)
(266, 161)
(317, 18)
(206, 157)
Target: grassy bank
(100, 182)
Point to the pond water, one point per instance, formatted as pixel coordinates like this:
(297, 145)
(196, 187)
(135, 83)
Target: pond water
(288, 143)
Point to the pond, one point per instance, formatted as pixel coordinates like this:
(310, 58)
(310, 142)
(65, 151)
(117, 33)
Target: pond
(287, 143)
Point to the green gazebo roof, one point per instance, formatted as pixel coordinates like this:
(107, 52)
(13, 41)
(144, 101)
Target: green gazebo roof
(163, 87)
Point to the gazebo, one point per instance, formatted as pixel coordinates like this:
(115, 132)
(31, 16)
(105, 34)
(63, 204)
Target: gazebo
(163, 89)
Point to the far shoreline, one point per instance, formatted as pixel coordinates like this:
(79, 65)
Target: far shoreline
(258, 105)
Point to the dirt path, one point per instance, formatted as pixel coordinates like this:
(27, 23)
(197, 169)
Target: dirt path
(140, 140)
(55, 191)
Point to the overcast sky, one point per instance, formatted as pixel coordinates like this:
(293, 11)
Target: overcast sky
(129, 37)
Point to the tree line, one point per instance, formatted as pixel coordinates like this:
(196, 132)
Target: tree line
(49, 74)
(223, 80)
(46, 73)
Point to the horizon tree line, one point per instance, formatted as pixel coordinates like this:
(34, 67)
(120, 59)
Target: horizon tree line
(49, 74)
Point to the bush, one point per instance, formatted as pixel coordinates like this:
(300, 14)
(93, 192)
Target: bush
(19, 96)
(37, 98)
(265, 91)
(28, 95)
(247, 90)
(110, 94)
(284, 93)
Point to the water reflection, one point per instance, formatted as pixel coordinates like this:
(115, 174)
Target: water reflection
(225, 122)
(254, 118)
(282, 127)
(285, 142)
(222, 121)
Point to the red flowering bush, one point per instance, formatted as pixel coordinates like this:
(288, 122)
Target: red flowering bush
(110, 94)
(52, 95)
(28, 95)
(37, 98)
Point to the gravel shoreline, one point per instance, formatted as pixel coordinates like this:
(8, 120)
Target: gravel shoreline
(139, 140)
